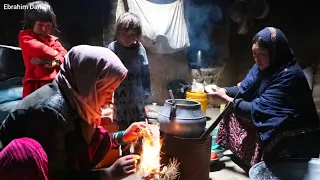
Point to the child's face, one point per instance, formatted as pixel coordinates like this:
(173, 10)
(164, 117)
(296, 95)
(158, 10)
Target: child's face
(43, 28)
(127, 38)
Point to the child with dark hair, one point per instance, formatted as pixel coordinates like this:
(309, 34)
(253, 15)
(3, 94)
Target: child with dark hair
(41, 51)
(130, 96)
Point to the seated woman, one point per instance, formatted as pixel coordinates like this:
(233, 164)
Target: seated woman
(273, 114)
(54, 132)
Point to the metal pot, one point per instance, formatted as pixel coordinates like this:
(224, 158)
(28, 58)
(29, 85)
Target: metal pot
(289, 169)
(183, 118)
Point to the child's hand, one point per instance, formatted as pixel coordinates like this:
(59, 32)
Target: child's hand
(47, 63)
(57, 60)
(38, 61)
(52, 64)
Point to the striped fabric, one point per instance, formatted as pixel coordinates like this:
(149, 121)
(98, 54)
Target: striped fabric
(23, 159)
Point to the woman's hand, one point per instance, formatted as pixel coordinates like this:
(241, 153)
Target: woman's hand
(134, 131)
(211, 88)
(122, 168)
(218, 94)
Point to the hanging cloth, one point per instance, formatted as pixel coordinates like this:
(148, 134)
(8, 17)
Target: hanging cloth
(164, 29)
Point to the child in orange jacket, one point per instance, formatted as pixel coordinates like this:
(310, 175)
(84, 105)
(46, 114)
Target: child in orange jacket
(41, 51)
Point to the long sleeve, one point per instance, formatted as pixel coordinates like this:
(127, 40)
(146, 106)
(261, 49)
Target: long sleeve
(61, 50)
(146, 80)
(232, 91)
(145, 74)
(242, 108)
(37, 48)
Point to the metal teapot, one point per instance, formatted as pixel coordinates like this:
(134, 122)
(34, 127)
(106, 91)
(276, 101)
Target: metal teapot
(182, 118)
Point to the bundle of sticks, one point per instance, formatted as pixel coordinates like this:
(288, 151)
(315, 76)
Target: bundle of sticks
(169, 172)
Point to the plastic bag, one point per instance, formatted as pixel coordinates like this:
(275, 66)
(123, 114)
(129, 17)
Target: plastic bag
(197, 87)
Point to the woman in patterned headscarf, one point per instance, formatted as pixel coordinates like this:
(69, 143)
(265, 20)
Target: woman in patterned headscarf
(274, 115)
(60, 123)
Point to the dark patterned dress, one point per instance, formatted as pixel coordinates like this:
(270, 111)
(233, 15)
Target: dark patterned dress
(130, 96)
(240, 136)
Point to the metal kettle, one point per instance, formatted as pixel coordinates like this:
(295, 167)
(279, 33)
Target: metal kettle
(182, 118)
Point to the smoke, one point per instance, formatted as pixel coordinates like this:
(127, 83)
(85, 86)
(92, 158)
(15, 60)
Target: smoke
(201, 19)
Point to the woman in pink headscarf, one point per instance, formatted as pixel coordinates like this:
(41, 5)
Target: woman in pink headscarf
(54, 132)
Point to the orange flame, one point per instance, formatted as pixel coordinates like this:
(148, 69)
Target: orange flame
(150, 156)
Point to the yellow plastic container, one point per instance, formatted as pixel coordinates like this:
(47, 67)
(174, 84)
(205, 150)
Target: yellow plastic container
(199, 97)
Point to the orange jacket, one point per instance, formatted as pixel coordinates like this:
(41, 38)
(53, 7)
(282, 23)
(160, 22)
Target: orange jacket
(36, 46)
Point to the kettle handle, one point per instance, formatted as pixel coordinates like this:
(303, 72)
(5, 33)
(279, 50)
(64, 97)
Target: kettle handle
(173, 112)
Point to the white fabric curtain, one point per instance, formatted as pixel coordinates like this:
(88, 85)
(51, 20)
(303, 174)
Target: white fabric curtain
(164, 28)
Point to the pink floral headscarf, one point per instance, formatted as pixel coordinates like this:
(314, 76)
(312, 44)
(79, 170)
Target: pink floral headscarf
(90, 75)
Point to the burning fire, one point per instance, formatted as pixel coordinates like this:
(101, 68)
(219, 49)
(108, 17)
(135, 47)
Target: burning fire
(150, 167)
(150, 157)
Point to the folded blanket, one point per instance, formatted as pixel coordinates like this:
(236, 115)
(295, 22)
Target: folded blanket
(11, 94)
